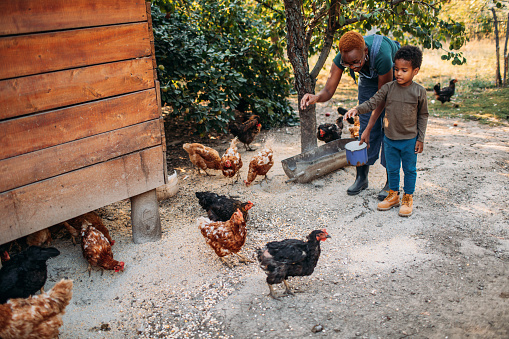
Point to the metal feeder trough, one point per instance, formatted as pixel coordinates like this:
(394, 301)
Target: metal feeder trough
(317, 162)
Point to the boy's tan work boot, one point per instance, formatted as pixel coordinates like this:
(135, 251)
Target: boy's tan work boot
(406, 205)
(391, 201)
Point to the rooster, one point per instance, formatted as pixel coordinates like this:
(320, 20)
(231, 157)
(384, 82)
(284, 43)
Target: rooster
(247, 131)
(38, 317)
(97, 249)
(231, 162)
(220, 207)
(289, 258)
(225, 237)
(25, 273)
(260, 165)
(203, 157)
(445, 93)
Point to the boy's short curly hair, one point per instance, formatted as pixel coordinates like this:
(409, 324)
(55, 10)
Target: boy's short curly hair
(410, 53)
(349, 41)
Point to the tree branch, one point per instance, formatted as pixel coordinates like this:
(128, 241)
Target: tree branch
(270, 7)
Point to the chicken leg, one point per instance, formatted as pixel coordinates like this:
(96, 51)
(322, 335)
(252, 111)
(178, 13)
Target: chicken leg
(243, 259)
(288, 290)
(223, 259)
(272, 294)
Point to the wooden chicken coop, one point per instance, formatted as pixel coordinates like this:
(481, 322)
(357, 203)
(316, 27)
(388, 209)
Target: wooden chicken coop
(80, 117)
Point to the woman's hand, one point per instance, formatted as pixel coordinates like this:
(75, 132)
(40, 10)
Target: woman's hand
(308, 99)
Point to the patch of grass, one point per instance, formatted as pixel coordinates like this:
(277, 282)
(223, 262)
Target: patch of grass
(486, 105)
(476, 95)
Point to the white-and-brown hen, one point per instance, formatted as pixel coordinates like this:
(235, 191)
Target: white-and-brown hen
(260, 165)
(203, 157)
(231, 161)
(93, 218)
(97, 249)
(225, 237)
(36, 317)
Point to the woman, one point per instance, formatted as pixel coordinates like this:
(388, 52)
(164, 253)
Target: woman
(372, 57)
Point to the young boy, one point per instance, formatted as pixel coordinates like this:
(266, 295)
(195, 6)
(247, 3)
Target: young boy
(406, 117)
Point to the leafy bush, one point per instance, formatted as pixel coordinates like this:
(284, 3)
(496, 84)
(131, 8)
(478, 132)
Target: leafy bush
(217, 57)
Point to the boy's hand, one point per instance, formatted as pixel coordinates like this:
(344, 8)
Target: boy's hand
(365, 137)
(351, 113)
(419, 146)
(308, 99)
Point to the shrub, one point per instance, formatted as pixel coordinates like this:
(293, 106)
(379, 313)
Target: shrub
(217, 57)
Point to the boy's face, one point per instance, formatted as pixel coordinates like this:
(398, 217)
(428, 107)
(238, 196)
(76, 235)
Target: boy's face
(404, 72)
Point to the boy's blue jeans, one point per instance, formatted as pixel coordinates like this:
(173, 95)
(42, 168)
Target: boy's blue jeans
(401, 153)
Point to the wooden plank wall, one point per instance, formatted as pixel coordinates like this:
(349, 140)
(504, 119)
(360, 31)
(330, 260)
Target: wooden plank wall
(80, 125)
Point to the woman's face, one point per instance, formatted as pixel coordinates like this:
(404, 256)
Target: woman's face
(355, 59)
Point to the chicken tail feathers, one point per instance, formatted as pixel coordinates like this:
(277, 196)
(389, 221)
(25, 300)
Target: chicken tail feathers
(61, 293)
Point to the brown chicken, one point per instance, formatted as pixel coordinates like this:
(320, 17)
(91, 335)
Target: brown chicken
(39, 238)
(97, 249)
(203, 157)
(231, 162)
(94, 219)
(260, 165)
(225, 237)
(354, 130)
(247, 131)
(37, 317)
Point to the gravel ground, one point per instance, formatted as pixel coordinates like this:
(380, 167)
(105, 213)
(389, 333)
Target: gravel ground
(442, 273)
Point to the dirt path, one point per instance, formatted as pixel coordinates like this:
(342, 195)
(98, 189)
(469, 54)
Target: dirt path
(444, 272)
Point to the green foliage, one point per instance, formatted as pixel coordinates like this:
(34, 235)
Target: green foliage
(409, 22)
(217, 56)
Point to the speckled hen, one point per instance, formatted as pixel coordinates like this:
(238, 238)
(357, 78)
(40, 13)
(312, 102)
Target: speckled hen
(97, 249)
(260, 165)
(225, 237)
(231, 161)
(37, 317)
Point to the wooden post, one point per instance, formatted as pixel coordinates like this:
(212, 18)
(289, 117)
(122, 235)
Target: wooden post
(145, 217)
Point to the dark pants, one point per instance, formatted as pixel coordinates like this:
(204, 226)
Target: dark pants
(368, 88)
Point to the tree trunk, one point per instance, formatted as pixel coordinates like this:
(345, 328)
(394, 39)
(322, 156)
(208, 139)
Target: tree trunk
(506, 55)
(297, 50)
(498, 78)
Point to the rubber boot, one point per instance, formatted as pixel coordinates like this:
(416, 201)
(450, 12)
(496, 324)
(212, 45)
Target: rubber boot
(361, 181)
(385, 191)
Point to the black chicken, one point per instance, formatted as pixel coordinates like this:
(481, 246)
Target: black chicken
(331, 132)
(25, 273)
(246, 131)
(342, 111)
(445, 93)
(328, 132)
(220, 207)
(290, 258)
